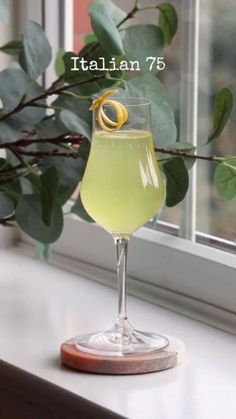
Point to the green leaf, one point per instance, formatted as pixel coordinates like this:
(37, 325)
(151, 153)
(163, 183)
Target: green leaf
(97, 56)
(70, 173)
(177, 181)
(144, 41)
(185, 147)
(11, 128)
(222, 112)
(84, 149)
(4, 12)
(49, 186)
(31, 115)
(79, 107)
(13, 85)
(59, 63)
(79, 210)
(50, 128)
(225, 179)
(73, 75)
(12, 48)
(90, 39)
(162, 116)
(30, 184)
(114, 11)
(74, 123)
(12, 190)
(168, 21)
(7, 206)
(105, 29)
(29, 218)
(37, 50)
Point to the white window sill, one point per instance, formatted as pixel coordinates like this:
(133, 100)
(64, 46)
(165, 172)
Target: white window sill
(41, 306)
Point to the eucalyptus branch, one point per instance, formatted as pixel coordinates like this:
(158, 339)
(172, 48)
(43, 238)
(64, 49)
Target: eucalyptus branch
(130, 15)
(73, 139)
(48, 93)
(179, 153)
(7, 221)
(51, 153)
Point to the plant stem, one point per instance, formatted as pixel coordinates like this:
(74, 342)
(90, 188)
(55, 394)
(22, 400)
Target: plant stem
(47, 93)
(61, 139)
(179, 153)
(6, 221)
(53, 153)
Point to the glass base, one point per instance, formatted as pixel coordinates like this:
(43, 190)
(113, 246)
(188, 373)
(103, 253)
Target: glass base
(121, 340)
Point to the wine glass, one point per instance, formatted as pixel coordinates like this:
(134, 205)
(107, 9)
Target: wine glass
(122, 189)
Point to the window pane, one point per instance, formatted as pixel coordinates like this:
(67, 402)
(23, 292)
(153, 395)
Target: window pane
(216, 216)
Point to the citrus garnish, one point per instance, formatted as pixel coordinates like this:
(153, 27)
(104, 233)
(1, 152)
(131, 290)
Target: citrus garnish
(103, 120)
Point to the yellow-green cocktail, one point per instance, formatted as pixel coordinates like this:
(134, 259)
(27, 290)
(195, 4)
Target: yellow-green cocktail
(122, 188)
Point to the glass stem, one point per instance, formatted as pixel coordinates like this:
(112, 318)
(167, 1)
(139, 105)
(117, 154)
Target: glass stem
(121, 244)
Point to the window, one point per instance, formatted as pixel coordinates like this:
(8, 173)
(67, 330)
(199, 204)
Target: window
(215, 216)
(217, 59)
(174, 271)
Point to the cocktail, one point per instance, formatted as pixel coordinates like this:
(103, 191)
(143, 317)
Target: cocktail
(122, 189)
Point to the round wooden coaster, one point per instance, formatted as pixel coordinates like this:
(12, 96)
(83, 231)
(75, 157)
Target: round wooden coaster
(169, 357)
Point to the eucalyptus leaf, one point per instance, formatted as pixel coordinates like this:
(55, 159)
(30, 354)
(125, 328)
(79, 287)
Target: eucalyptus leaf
(11, 130)
(225, 179)
(70, 61)
(29, 218)
(13, 190)
(49, 187)
(3, 164)
(222, 112)
(162, 116)
(12, 48)
(89, 39)
(7, 206)
(70, 173)
(30, 184)
(74, 123)
(13, 85)
(105, 29)
(59, 63)
(144, 41)
(185, 147)
(168, 21)
(31, 115)
(13, 127)
(115, 12)
(79, 210)
(84, 149)
(37, 53)
(70, 170)
(49, 128)
(177, 181)
(79, 107)
(100, 56)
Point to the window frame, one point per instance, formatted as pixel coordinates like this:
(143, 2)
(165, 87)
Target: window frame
(176, 272)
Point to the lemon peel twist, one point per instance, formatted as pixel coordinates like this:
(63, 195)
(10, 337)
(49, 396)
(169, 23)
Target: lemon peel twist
(103, 120)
